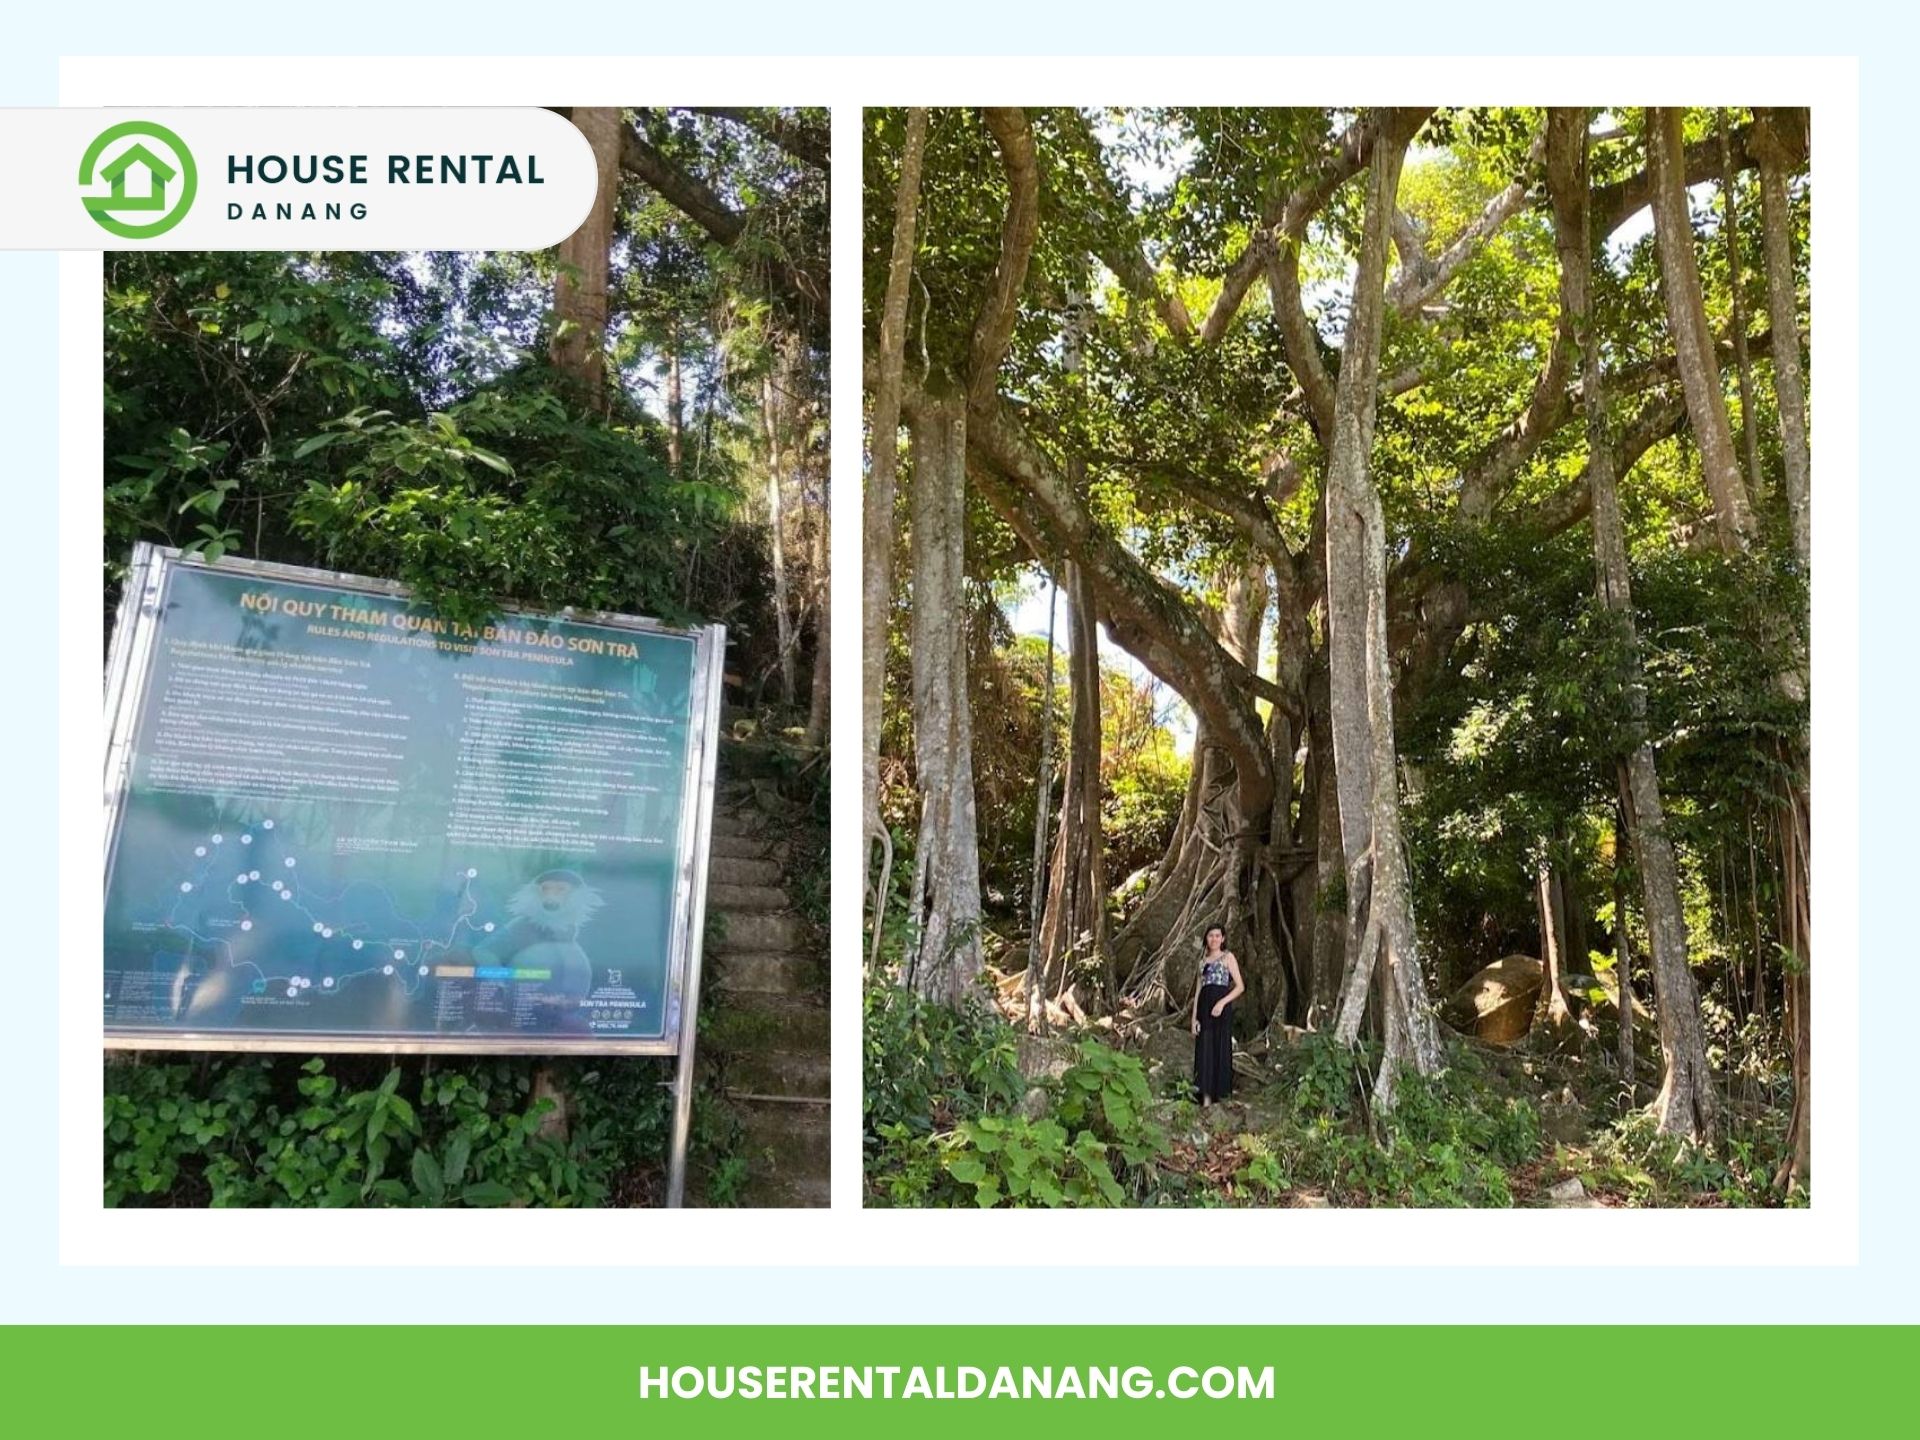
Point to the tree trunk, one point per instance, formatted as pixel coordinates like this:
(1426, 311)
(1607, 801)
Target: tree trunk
(1686, 1103)
(1783, 309)
(676, 437)
(1797, 908)
(1736, 290)
(578, 348)
(1775, 151)
(1623, 978)
(1327, 913)
(1692, 340)
(1034, 981)
(777, 528)
(1552, 1006)
(946, 948)
(876, 589)
(820, 701)
(1073, 929)
(1380, 924)
(1573, 916)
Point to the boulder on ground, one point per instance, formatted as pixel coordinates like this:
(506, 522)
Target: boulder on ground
(1570, 1194)
(1563, 1119)
(1496, 1004)
(1045, 1057)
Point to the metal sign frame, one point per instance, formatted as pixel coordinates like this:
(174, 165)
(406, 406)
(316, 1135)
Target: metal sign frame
(130, 662)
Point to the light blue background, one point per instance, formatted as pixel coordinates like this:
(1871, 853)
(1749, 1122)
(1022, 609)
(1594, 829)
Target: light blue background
(1881, 1288)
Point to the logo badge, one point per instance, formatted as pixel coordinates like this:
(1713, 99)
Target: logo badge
(149, 177)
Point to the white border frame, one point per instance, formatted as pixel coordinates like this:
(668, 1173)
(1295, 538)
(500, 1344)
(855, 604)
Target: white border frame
(1825, 1234)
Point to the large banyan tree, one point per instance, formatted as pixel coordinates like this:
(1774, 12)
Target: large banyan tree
(1291, 404)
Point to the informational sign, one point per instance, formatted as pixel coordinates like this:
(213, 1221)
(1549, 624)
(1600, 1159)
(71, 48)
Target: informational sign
(338, 820)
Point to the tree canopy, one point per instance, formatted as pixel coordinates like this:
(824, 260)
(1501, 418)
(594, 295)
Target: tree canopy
(1246, 382)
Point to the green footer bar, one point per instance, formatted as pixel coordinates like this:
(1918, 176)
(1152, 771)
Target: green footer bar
(963, 1381)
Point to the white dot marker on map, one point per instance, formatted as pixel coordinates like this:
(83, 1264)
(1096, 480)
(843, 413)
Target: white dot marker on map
(278, 886)
(246, 924)
(286, 894)
(289, 862)
(266, 824)
(185, 886)
(488, 927)
(306, 982)
(327, 984)
(358, 943)
(386, 969)
(318, 927)
(246, 839)
(423, 969)
(326, 934)
(399, 954)
(200, 850)
(472, 873)
(253, 874)
(219, 839)
(292, 993)
(241, 878)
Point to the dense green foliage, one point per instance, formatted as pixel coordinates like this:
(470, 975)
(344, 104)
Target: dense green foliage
(949, 1119)
(303, 408)
(240, 1131)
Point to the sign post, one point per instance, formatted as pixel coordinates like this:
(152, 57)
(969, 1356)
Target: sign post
(337, 821)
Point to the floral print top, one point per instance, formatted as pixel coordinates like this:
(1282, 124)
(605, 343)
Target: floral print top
(1215, 972)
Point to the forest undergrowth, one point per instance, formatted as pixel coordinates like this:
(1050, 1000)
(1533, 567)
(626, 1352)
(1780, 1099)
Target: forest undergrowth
(964, 1108)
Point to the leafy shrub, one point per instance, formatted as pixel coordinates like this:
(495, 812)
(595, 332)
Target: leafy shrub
(1447, 1141)
(1106, 1091)
(1633, 1159)
(1098, 1125)
(1323, 1075)
(926, 1064)
(251, 1132)
(1017, 1160)
(946, 1123)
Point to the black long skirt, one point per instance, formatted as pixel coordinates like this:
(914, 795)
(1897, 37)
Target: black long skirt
(1213, 1046)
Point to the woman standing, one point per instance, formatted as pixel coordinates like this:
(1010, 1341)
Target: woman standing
(1215, 989)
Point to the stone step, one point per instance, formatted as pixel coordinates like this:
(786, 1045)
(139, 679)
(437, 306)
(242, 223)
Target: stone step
(795, 1192)
(789, 1074)
(761, 756)
(766, 1021)
(727, 898)
(727, 821)
(747, 847)
(742, 870)
(755, 930)
(774, 972)
(784, 1142)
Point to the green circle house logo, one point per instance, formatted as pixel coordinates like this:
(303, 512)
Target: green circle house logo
(149, 183)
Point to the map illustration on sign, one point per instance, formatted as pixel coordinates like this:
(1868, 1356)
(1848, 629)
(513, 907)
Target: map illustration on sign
(340, 815)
